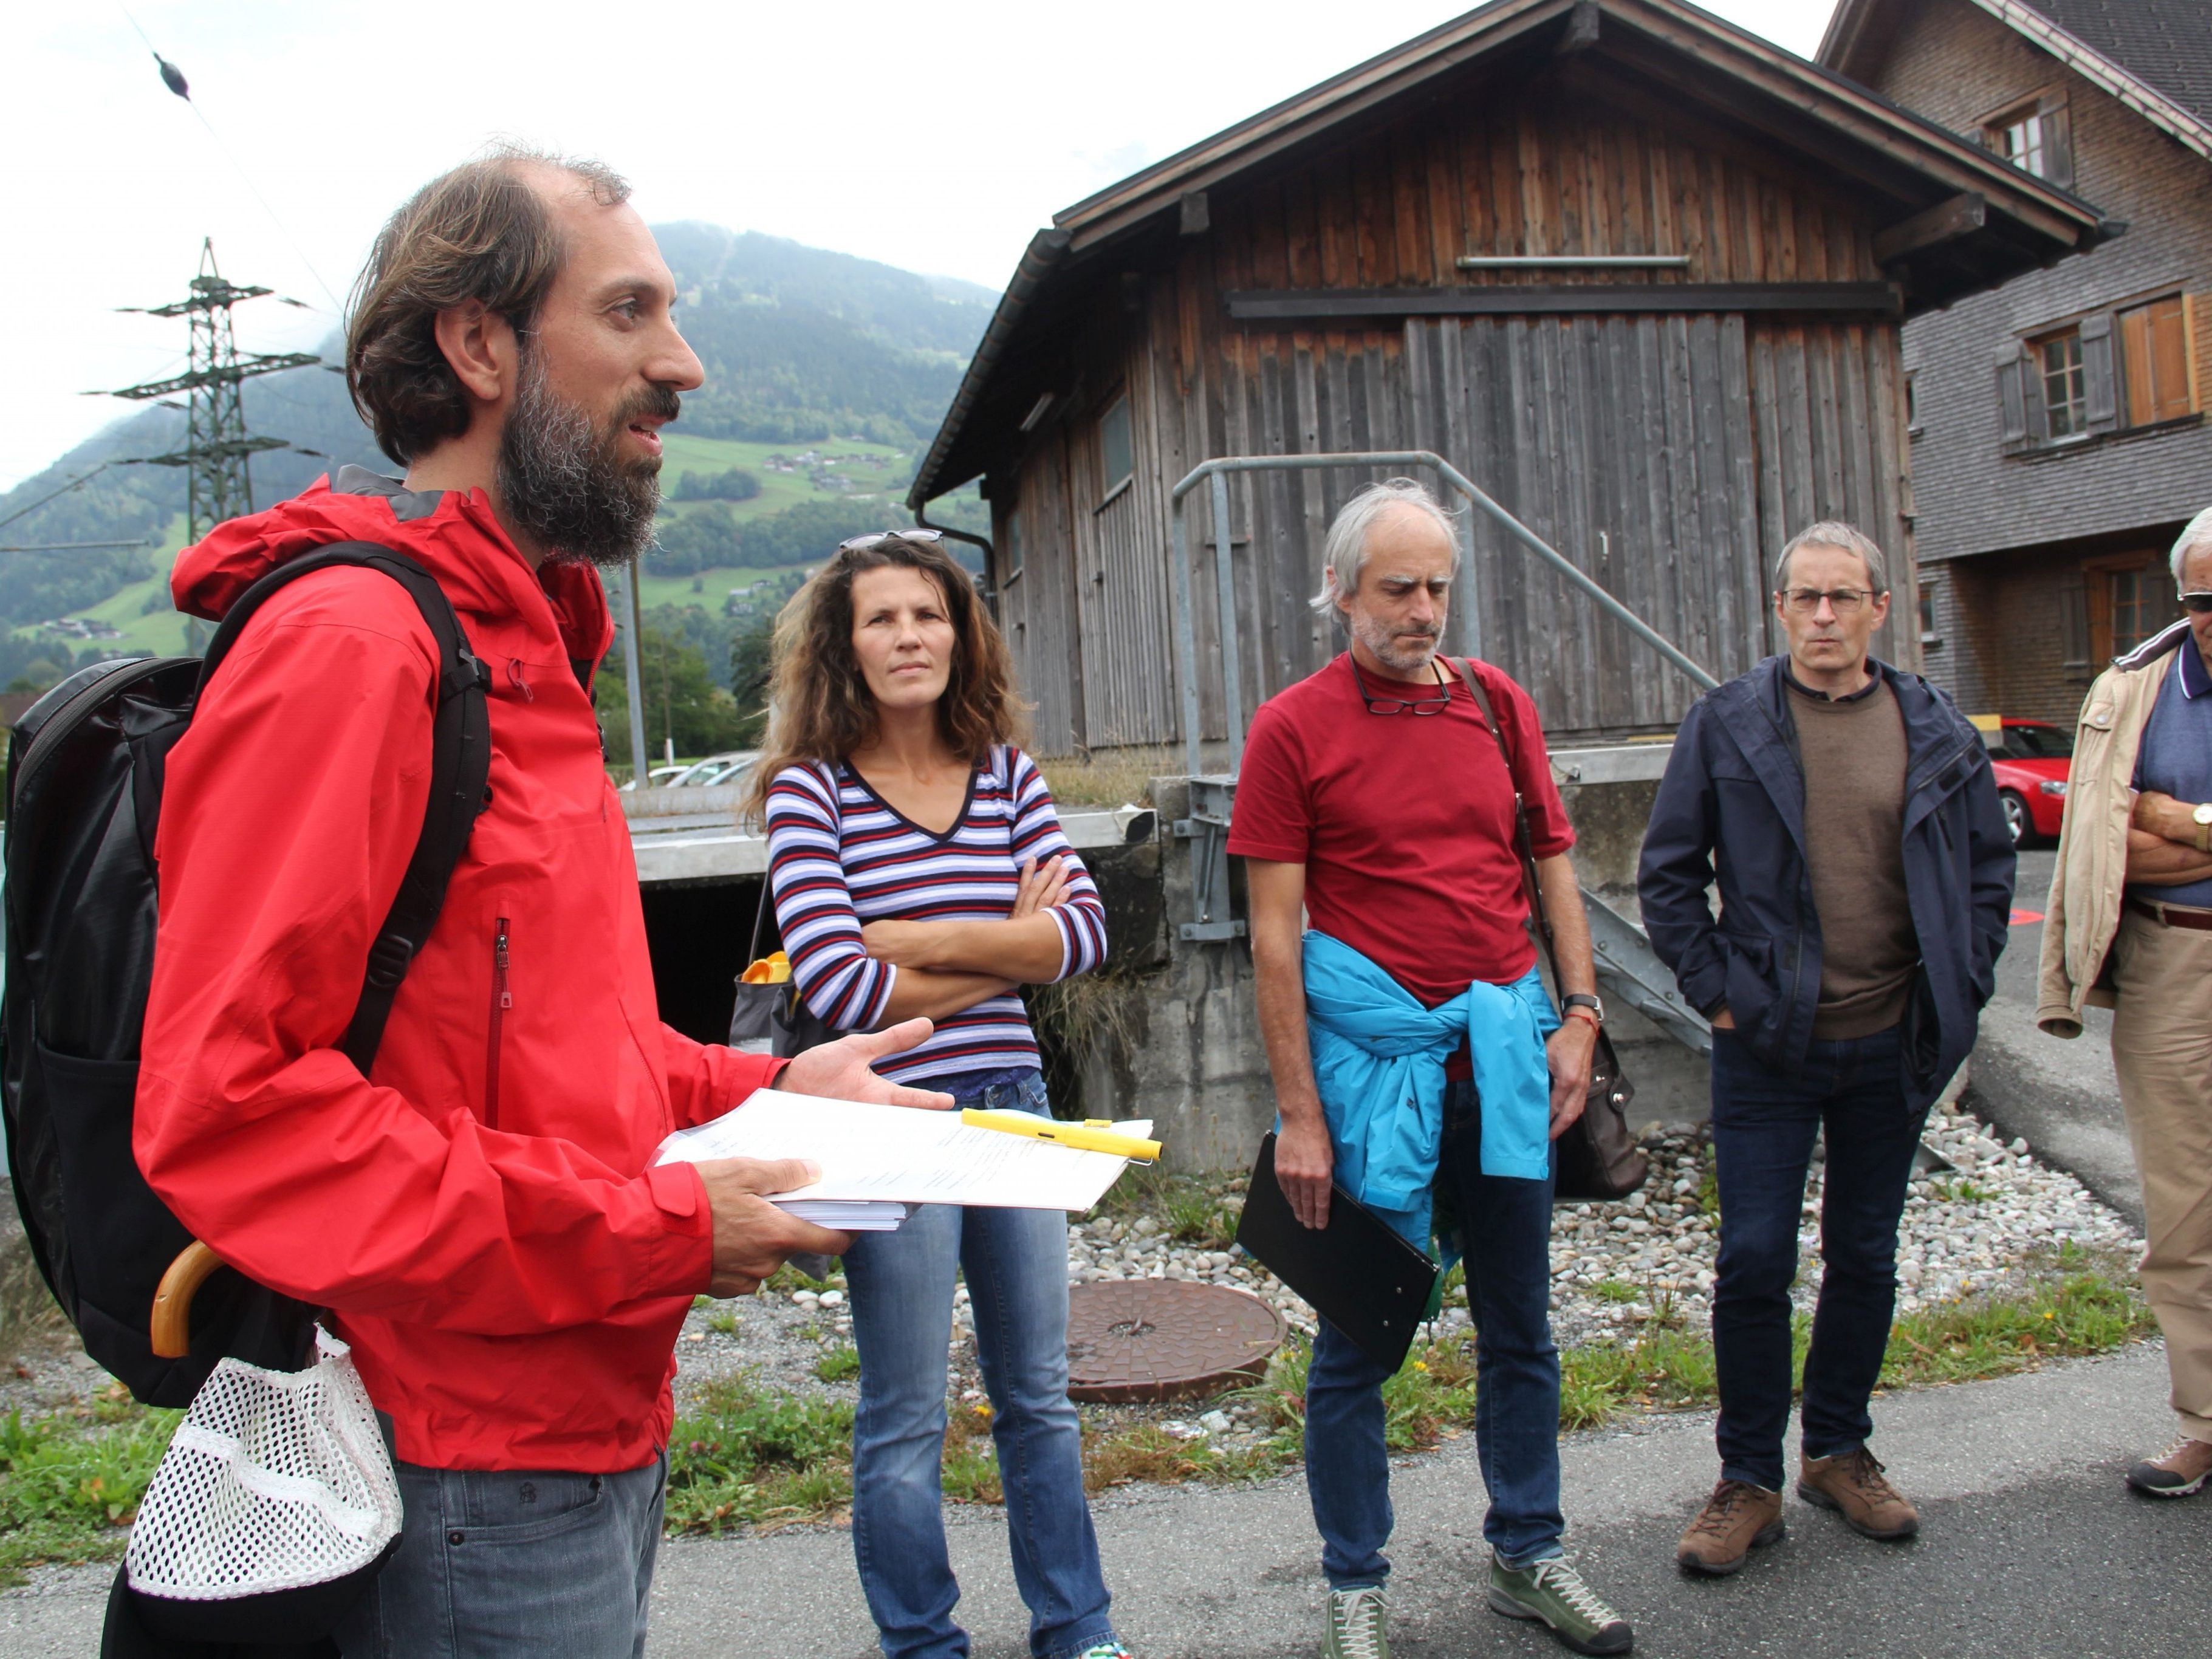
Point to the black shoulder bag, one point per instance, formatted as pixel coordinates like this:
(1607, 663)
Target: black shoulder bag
(1598, 1158)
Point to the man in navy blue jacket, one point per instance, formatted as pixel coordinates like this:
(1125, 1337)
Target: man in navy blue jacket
(1848, 811)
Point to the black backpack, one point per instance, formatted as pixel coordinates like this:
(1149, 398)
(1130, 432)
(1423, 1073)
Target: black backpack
(85, 769)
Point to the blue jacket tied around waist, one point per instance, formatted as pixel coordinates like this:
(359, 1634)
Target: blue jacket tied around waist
(1378, 1061)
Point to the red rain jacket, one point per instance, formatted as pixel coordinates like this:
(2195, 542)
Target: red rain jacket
(478, 1212)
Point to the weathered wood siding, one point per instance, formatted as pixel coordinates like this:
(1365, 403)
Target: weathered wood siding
(1669, 455)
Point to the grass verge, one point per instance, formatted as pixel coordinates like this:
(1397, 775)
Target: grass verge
(744, 1458)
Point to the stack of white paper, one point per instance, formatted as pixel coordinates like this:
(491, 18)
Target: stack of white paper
(846, 1215)
(878, 1162)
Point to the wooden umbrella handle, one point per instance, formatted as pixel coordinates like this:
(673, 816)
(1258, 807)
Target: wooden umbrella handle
(172, 1301)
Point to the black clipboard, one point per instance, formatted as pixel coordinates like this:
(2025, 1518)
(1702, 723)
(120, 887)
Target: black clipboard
(1356, 1272)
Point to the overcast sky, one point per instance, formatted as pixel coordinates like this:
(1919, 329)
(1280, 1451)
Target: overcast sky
(935, 137)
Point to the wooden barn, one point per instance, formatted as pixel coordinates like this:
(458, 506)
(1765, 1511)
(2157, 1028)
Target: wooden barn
(1637, 274)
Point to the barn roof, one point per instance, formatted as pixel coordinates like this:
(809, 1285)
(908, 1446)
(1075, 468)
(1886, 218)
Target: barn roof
(2154, 56)
(1809, 115)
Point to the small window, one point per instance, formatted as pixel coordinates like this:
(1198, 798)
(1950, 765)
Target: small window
(2020, 140)
(2138, 609)
(1116, 451)
(2130, 597)
(2058, 360)
(2155, 358)
(1927, 634)
(1913, 402)
(2035, 137)
(1009, 545)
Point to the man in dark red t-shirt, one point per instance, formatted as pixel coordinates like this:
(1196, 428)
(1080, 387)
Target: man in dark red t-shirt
(1375, 799)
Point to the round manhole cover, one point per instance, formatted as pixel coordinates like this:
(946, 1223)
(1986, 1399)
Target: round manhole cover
(1165, 1339)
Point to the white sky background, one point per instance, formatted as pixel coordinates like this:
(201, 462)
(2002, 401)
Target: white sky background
(935, 137)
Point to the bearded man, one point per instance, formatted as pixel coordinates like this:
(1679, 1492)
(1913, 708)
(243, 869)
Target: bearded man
(1413, 1048)
(478, 1212)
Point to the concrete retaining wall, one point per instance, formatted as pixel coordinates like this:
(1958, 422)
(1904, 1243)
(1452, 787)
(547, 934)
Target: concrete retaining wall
(1187, 1053)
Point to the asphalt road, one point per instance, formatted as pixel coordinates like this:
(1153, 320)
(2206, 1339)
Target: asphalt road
(2031, 1547)
(2058, 1093)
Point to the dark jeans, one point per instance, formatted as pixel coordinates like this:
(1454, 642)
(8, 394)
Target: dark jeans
(1764, 1122)
(1506, 1225)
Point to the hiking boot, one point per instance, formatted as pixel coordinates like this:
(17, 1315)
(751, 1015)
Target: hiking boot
(1852, 1484)
(2178, 1472)
(1359, 1624)
(1554, 1592)
(1737, 1519)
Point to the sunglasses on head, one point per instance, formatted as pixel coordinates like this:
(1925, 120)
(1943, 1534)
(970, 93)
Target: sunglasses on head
(876, 539)
(2199, 603)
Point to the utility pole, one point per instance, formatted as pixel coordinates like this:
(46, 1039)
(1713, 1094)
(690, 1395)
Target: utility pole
(216, 443)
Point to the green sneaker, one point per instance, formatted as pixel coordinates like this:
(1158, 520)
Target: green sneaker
(1554, 1592)
(1359, 1624)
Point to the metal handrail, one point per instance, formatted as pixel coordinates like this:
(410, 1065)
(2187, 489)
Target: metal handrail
(1216, 471)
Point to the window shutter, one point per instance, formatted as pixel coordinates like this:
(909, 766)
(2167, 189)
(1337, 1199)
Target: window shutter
(2012, 392)
(2073, 624)
(2057, 140)
(2097, 378)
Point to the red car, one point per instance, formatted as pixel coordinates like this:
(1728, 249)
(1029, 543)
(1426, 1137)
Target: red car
(2030, 758)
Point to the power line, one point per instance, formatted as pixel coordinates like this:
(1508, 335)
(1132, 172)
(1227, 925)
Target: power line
(83, 478)
(173, 79)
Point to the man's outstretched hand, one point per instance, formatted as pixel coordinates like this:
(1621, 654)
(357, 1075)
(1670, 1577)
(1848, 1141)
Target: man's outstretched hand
(839, 1070)
(752, 1237)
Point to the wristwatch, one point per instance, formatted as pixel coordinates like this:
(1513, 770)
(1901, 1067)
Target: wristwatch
(2202, 817)
(1583, 999)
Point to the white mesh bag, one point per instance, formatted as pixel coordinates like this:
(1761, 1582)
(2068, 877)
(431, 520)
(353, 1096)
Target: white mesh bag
(274, 1481)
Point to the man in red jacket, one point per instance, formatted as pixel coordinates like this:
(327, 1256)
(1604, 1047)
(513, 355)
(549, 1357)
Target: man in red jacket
(478, 1212)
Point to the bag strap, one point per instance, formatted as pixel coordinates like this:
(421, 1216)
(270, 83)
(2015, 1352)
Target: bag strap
(461, 769)
(767, 875)
(1524, 844)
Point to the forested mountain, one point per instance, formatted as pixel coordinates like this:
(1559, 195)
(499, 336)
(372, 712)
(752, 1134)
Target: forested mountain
(801, 347)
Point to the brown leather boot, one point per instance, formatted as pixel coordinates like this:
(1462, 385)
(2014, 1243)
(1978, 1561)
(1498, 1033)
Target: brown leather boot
(1852, 1484)
(1736, 1519)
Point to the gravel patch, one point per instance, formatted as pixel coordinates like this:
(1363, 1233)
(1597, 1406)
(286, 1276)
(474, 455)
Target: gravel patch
(1971, 1227)
(1967, 1228)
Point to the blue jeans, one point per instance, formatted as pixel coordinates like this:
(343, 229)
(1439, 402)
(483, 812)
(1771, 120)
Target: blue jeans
(1506, 1225)
(514, 1565)
(1764, 1121)
(901, 1285)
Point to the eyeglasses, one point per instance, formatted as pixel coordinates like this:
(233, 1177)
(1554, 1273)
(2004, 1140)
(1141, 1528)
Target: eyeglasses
(2200, 602)
(862, 544)
(1435, 705)
(1806, 600)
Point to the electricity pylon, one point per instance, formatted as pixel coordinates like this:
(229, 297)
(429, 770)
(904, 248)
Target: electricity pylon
(216, 444)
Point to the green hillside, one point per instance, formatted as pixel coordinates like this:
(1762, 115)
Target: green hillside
(826, 376)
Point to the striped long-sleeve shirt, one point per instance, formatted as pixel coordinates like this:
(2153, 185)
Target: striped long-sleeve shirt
(839, 856)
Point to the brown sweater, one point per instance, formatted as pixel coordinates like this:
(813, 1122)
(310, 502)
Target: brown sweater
(1853, 751)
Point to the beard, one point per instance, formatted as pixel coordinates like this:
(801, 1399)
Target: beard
(1405, 655)
(564, 482)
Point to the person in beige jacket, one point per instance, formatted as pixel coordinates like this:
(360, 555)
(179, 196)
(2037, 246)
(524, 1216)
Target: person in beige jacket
(2128, 927)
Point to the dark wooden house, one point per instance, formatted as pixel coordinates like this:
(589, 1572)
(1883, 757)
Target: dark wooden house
(1638, 274)
(2059, 435)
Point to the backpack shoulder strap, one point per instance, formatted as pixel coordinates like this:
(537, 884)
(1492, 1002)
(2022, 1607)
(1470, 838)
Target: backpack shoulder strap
(461, 769)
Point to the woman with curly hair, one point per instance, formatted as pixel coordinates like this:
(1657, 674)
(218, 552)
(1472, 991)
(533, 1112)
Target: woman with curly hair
(918, 868)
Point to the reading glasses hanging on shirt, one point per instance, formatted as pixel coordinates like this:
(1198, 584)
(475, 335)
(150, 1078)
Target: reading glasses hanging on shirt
(1375, 705)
